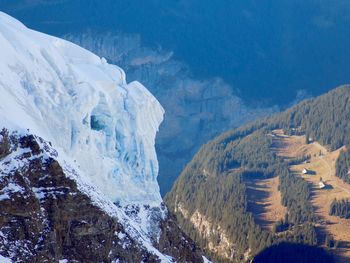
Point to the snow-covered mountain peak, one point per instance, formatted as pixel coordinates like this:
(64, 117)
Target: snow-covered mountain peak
(78, 165)
(83, 105)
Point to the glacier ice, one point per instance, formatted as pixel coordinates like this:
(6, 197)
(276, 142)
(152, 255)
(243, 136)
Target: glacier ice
(84, 107)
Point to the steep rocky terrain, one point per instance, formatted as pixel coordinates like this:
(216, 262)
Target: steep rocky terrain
(46, 217)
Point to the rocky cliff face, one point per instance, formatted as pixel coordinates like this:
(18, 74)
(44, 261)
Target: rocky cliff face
(195, 110)
(46, 217)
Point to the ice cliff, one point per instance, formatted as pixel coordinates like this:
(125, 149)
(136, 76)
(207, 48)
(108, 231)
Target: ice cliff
(84, 107)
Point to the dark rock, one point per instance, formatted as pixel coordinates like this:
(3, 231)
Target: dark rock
(176, 243)
(5, 144)
(46, 218)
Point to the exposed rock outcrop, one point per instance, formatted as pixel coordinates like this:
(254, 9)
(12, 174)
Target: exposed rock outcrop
(45, 217)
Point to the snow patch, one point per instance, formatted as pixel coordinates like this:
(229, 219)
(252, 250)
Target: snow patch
(5, 260)
(205, 260)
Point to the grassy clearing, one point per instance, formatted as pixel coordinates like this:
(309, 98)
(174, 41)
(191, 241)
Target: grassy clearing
(322, 165)
(264, 201)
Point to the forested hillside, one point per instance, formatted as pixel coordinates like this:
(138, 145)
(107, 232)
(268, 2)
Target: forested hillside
(343, 165)
(212, 187)
(340, 208)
